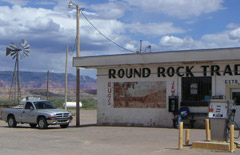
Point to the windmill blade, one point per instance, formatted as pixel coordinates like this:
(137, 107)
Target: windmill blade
(14, 56)
(27, 46)
(8, 51)
(11, 48)
(25, 54)
(26, 49)
(13, 53)
(24, 43)
(14, 47)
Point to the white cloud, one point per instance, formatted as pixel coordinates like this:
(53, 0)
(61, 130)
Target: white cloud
(21, 22)
(43, 24)
(130, 47)
(235, 34)
(168, 41)
(218, 40)
(232, 26)
(48, 31)
(179, 8)
(176, 43)
(154, 29)
(111, 10)
(17, 2)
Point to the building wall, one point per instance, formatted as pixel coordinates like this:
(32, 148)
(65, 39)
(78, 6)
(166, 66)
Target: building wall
(108, 114)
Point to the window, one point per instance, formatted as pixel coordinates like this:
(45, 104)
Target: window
(44, 105)
(195, 90)
(29, 105)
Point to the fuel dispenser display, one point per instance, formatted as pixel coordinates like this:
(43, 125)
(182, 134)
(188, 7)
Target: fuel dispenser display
(221, 115)
(218, 109)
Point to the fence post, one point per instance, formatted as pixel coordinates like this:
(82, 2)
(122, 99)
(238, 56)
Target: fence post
(180, 142)
(187, 135)
(232, 138)
(207, 130)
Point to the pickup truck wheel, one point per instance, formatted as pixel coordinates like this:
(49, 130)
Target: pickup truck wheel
(64, 125)
(42, 123)
(12, 122)
(33, 125)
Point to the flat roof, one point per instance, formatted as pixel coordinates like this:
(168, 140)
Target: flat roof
(184, 56)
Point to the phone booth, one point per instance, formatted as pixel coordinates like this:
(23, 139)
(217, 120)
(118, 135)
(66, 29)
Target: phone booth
(173, 104)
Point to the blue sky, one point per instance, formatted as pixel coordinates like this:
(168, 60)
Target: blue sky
(49, 26)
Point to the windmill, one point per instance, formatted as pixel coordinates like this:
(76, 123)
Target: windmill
(15, 51)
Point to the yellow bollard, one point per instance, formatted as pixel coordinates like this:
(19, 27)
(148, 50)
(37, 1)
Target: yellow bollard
(187, 135)
(207, 130)
(232, 138)
(180, 142)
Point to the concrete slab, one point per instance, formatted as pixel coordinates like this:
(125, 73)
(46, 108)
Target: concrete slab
(90, 139)
(212, 145)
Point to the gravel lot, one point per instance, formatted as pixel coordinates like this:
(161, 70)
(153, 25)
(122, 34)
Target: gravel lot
(90, 139)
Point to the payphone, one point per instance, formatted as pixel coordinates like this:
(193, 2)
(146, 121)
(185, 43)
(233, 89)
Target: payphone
(220, 115)
(173, 104)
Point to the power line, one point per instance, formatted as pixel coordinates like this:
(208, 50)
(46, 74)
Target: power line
(104, 35)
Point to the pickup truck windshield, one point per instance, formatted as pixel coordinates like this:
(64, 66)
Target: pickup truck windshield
(44, 105)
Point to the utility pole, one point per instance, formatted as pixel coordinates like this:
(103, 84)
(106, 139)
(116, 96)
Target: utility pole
(47, 84)
(140, 46)
(78, 70)
(70, 5)
(66, 79)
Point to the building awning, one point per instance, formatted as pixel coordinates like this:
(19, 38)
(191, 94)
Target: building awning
(187, 56)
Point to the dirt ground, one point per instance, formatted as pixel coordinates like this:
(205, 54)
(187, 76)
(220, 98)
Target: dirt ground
(90, 139)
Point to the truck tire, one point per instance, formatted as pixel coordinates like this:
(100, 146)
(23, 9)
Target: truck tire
(64, 125)
(42, 123)
(33, 125)
(11, 121)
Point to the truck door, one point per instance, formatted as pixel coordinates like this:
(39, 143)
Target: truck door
(28, 113)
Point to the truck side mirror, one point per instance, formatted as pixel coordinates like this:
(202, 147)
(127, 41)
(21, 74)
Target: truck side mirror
(31, 108)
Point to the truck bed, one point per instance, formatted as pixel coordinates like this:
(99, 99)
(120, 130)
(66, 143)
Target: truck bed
(15, 111)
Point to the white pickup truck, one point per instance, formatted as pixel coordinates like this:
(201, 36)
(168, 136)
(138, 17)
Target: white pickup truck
(37, 112)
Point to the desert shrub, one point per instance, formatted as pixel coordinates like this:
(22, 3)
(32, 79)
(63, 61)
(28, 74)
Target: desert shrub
(89, 104)
(7, 102)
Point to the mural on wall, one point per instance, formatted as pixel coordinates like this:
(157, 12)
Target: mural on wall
(140, 94)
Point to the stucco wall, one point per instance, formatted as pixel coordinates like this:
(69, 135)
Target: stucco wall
(108, 115)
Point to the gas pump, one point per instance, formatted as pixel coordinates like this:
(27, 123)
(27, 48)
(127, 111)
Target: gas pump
(221, 115)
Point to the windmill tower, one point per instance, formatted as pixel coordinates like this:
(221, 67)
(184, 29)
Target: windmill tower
(15, 51)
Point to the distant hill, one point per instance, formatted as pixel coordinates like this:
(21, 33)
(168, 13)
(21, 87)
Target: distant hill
(39, 80)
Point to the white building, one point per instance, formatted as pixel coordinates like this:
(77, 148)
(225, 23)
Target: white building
(134, 89)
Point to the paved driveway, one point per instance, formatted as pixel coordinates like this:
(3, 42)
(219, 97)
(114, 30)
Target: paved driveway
(95, 140)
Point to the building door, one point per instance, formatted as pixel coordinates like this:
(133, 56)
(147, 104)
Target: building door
(235, 95)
